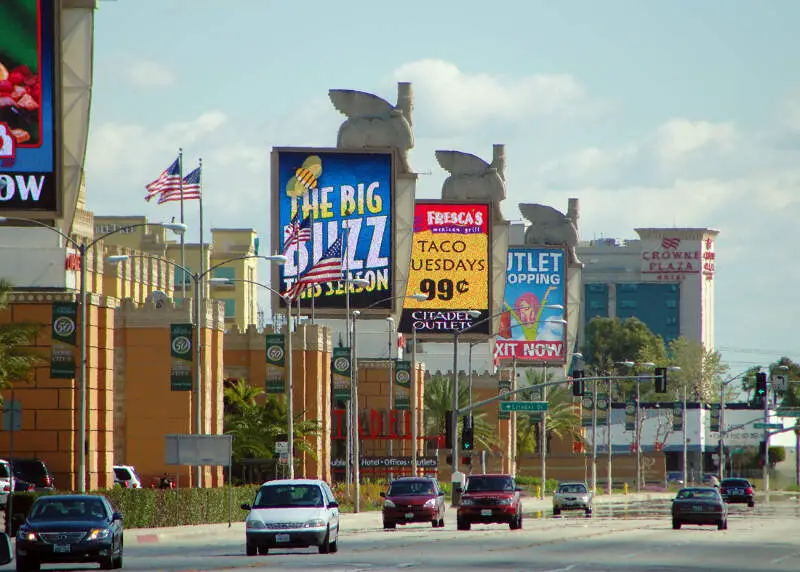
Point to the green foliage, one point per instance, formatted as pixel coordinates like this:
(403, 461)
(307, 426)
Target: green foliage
(439, 400)
(791, 396)
(611, 340)
(776, 455)
(256, 426)
(701, 371)
(17, 358)
(156, 508)
(529, 484)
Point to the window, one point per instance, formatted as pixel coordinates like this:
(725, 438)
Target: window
(179, 276)
(227, 273)
(230, 308)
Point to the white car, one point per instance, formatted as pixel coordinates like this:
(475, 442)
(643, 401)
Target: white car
(126, 477)
(292, 513)
(7, 482)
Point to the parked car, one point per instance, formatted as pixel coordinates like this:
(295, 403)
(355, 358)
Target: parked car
(33, 471)
(292, 513)
(699, 505)
(126, 477)
(7, 483)
(675, 478)
(737, 490)
(490, 499)
(413, 499)
(70, 528)
(573, 496)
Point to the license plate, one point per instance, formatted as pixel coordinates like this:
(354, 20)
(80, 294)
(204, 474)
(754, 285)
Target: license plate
(281, 538)
(409, 515)
(736, 491)
(697, 508)
(61, 548)
(486, 512)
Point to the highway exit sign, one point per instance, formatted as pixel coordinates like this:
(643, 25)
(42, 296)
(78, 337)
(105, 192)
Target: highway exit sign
(523, 406)
(768, 425)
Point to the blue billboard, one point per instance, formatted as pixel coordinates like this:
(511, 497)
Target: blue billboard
(320, 195)
(29, 139)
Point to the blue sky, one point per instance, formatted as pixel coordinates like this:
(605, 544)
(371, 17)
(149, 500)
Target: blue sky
(656, 113)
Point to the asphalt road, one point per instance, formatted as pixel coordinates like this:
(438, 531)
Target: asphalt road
(636, 536)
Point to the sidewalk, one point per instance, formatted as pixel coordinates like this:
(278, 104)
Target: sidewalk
(360, 522)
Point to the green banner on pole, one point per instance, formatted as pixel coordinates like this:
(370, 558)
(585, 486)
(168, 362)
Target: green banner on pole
(402, 385)
(276, 364)
(715, 415)
(587, 406)
(630, 416)
(64, 334)
(677, 416)
(602, 408)
(504, 385)
(341, 374)
(181, 344)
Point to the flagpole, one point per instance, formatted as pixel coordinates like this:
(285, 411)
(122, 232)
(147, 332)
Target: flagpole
(183, 238)
(313, 256)
(201, 318)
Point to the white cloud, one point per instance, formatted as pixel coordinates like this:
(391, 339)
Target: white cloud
(455, 100)
(148, 74)
(551, 331)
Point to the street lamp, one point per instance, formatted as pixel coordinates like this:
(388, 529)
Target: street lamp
(765, 468)
(722, 429)
(638, 426)
(356, 447)
(83, 247)
(197, 279)
(287, 358)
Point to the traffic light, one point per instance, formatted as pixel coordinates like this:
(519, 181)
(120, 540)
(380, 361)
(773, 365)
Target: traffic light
(467, 434)
(466, 460)
(661, 379)
(448, 430)
(761, 385)
(577, 383)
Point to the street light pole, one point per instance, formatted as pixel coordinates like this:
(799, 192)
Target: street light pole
(356, 436)
(289, 358)
(83, 444)
(765, 468)
(638, 440)
(413, 398)
(198, 371)
(454, 414)
(685, 442)
(594, 437)
(390, 323)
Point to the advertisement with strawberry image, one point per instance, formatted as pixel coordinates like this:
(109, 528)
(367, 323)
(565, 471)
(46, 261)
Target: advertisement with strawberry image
(533, 326)
(28, 58)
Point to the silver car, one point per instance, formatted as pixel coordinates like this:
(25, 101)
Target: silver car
(572, 496)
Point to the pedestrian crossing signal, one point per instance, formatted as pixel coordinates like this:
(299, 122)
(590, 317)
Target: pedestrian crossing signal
(661, 379)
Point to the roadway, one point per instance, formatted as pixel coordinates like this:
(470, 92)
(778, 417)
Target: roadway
(630, 536)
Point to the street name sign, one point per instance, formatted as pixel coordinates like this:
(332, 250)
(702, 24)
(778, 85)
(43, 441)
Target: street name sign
(523, 406)
(768, 425)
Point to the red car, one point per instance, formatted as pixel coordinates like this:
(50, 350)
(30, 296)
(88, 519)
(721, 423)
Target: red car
(490, 499)
(413, 499)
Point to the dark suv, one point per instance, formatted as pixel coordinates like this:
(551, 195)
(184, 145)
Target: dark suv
(33, 471)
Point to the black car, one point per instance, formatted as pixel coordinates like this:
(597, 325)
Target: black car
(70, 528)
(33, 471)
(736, 490)
(699, 505)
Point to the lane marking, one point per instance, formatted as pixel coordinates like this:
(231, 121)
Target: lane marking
(782, 558)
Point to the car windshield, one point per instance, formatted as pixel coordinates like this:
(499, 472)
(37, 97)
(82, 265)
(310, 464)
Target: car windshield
(735, 483)
(478, 484)
(703, 494)
(4, 472)
(288, 496)
(404, 488)
(68, 509)
(579, 489)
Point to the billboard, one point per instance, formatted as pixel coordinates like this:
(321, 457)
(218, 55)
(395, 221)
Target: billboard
(29, 110)
(530, 330)
(450, 266)
(332, 193)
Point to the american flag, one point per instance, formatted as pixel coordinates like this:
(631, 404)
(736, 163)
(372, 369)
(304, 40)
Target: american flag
(296, 233)
(191, 189)
(328, 268)
(169, 180)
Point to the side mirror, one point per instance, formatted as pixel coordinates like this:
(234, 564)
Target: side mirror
(382, 494)
(6, 555)
(116, 516)
(517, 489)
(441, 493)
(245, 506)
(333, 504)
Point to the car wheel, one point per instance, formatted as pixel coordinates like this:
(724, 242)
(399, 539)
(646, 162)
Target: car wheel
(264, 550)
(389, 525)
(441, 522)
(25, 564)
(751, 504)
(325, 547)
(107, 563)
(435, 523)
(589, 513)
(676, 524)
(463, 524)
(251, 549)
(556, 511)
(722, 525)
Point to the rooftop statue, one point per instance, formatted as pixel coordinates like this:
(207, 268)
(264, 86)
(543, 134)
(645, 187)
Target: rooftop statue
(550, 227)
(472, 178)
(374, 122)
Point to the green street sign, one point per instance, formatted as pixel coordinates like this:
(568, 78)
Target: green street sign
(768, 425)
(788, 412)
(523, 406)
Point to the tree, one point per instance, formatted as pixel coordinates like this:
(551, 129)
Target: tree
(17, 357)
(256, 426)
(701, 370)
(610, 341)
(439, 400)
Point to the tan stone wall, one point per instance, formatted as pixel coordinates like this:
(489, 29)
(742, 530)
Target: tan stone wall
(50, 406)
(149, 408)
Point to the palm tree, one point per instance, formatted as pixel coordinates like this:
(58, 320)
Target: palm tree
(17, 358)
(439, 400)
(257, 426)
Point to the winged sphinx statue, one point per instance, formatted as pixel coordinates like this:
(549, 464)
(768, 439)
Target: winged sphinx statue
(550, 226)
(472, 178)
(374, 122)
